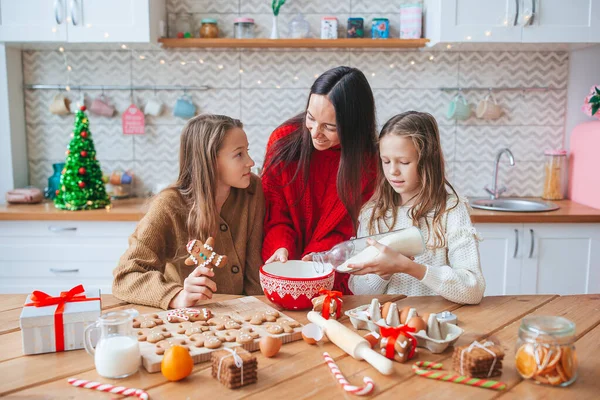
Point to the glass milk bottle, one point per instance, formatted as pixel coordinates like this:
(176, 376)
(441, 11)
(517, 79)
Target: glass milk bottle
(117, 354)
(409, 242)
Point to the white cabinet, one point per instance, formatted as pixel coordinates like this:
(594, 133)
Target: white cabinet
(57, 255)
(512, 21)
(33, 20)
(540, 258)
(81, 21)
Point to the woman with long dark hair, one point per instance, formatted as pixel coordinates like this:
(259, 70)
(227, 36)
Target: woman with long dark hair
(320, 168)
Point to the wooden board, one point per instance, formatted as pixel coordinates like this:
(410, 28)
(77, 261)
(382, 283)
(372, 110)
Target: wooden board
(238, 309)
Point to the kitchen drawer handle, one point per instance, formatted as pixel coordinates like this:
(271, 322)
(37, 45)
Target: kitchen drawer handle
(516, 243)
(58, 16)
(73, 13)
(57, 229)
(63, 271)
(532, 243)
(516, 13)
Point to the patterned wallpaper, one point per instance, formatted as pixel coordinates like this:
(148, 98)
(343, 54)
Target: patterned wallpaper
(265, 87)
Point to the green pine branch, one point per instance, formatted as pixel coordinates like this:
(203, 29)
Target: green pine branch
(276, 5)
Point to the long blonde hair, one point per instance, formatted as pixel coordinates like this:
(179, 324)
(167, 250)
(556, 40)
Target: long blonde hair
(433, 195)
(201, 139)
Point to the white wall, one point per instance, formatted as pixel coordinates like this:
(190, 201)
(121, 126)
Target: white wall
(13, 146)
(584, 71)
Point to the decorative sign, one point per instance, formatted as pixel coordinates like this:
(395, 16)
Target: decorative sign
(133, 121)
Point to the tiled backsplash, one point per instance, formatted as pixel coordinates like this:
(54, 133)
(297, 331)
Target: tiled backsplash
(265, 87)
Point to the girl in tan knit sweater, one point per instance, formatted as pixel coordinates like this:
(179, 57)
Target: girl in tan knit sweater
(215, 196)
(413, 191)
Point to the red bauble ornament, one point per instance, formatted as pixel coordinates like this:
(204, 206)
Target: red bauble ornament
(84, 134)
(82, 171)
(180, 35)
(83, 108)
(68, 152)
(83, 153)
(57, 192)
(81, 184)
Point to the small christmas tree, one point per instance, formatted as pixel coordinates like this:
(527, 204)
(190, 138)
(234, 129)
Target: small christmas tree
(81, 186)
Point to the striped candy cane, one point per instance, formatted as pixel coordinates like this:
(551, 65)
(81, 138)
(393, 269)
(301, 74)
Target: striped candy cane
(359, 391)
(424, 369)
(108, 388)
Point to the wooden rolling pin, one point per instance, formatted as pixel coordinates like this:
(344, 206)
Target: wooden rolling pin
(352, 343)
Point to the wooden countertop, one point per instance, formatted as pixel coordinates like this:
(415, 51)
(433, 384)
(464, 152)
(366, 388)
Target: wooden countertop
(299, 368)
(134, 210)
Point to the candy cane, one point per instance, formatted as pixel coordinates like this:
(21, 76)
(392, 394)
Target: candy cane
(104, 387)
(423, 368)
(359, 391)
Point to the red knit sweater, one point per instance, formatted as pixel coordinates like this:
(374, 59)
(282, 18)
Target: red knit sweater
(312, 220)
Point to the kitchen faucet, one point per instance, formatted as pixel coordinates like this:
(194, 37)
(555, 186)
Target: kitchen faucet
(494, 192)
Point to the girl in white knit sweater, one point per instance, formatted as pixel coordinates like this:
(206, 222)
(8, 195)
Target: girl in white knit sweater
(413, 190)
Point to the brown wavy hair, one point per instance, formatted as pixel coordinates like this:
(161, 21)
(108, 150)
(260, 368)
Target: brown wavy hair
(433, 195)
(201, 140)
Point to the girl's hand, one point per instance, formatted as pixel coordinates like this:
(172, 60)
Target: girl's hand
(308, 257)
(197, 286)
(385, 264)
(280, 254)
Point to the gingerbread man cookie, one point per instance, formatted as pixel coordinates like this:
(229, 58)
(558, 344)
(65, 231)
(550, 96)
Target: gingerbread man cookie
(189, 328)
(203, 254)
(262, 317)
(189, 314)
(166, 344)
(224, 322)
(402, 347)
(282, 325)
(153, 335)
(206, 339)
(147, 321)
(242, 336)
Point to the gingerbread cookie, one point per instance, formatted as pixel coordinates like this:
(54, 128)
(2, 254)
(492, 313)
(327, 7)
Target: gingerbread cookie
(288, 325)
(203, 254)
(262, 317)
(224, 322)
(153, 335)
(166, 344)
(242, 336)
(274, 329)
(190, 328)
(402, 347)
(147, 321)
(189, 314)
(206, 339)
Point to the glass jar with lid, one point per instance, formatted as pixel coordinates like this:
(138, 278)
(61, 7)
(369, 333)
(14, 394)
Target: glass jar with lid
(209, 28)
(183, 25)
(555, 174)
(243, 28)
(546, 351)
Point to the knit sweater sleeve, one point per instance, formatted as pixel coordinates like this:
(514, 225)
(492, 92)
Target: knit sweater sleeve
(253, 256)
(462, 280)
(140, 275)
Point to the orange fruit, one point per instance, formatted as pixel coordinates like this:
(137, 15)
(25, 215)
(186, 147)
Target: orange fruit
(525, 361)
(569, 362)
(176, 363)
(551, 359)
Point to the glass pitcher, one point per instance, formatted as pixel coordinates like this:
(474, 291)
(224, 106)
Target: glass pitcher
(409, 242)
(117, 354)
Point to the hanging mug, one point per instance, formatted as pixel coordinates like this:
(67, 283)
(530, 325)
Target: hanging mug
(184, 107)
(153, 107)
(101, 106)
(488, 108)
(60, 105)
(459, 109)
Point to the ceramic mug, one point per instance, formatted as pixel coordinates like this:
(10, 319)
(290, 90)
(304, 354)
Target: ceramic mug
(459, 109)
(100, 106)
(153, 107)
(60, 105)
(184, 107)
(488, 108)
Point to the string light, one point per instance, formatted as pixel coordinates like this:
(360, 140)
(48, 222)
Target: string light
(449, 46)
(431, 58)
(392, 65)
(412, 62)
(124, 46)
(488, 33)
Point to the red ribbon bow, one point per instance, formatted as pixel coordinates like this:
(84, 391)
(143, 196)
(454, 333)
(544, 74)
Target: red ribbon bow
(392, 333)
(329, 296)
(41, 299)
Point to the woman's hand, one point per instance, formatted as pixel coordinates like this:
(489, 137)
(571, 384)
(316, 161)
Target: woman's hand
(308, 257)
(280, 254)
(387, 263)
(197, 286)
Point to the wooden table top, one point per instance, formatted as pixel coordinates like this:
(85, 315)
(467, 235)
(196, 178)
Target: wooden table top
(299, 368)
(134, 209)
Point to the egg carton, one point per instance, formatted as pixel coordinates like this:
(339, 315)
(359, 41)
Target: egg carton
(436, 338)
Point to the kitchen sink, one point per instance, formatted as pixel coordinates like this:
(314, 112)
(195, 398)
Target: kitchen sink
(513, 205)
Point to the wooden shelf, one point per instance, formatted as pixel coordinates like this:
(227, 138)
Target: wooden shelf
(294, 43)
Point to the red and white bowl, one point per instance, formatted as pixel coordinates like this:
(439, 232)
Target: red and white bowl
(293, 284)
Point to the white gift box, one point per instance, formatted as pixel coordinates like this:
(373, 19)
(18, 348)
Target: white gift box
(38, 329)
